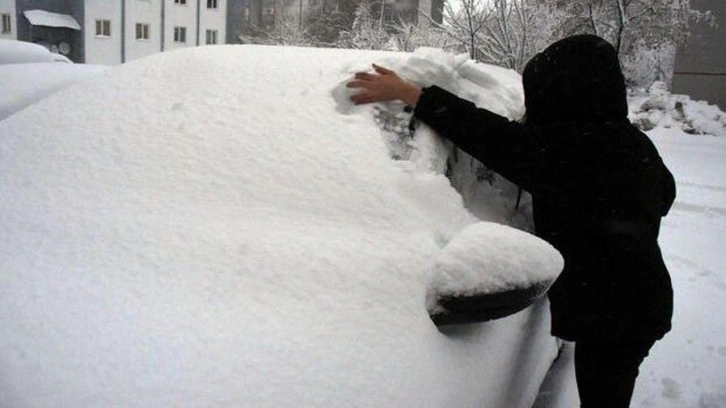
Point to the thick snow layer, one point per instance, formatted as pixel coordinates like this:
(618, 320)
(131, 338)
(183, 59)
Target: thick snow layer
(24, 84)
(659, 108)
(50, 19)
(209, 227)
(21, 52)
(487, 257)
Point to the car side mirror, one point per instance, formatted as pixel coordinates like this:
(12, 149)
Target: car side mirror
(488, 271)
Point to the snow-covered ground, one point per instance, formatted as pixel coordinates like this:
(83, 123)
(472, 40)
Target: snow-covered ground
(688, 367)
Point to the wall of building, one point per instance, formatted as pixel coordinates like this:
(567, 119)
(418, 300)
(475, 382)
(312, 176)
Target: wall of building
(143, 12)
(99, 49)
(701, 63)
(8, 7)
(180, 15)
(213, 19)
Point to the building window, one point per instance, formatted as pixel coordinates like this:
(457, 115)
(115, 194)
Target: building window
(7, 28)
(142, 31)
(180, 34)
(211, 4)
(103, 28)
(211, 36)
(180, 1)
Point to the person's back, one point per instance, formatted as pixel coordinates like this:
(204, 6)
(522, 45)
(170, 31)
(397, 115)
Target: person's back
(600, 197)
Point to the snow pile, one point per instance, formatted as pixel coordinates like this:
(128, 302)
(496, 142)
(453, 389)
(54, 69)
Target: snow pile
(660, 108)
(50, 19)
(24, 84)
(21, 52)
(204, 228)
(487, 257)
(486, 194)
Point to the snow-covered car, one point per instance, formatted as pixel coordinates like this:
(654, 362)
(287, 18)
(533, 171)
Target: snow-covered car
(29, 73)
(219, 226)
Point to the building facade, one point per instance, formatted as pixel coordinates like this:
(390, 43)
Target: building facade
(700, 69)
(117, 31)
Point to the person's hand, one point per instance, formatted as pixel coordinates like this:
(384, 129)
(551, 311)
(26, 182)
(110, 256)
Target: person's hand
(383, 86)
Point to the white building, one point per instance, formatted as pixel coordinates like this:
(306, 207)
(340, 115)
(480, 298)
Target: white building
(8, 25)
(115, 31)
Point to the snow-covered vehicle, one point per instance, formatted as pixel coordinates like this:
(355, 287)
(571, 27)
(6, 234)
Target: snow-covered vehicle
(219, 226)
(29, 72)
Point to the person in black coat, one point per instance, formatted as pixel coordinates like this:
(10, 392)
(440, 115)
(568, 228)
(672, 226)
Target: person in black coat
(599, 191)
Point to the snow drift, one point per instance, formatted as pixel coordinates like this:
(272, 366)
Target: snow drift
(204, 228)
(22, 52)
(25, 84)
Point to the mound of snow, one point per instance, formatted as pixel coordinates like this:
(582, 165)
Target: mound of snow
(486, 258)
(204, 228)
(21, 52)
(24, 84)
(659, 108)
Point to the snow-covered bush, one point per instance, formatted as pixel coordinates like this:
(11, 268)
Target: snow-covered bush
(644, 65)
(658, 107)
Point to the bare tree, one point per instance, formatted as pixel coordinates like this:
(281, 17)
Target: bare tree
(502, 32)
(410, 35)
(644, 32)
(367, 32)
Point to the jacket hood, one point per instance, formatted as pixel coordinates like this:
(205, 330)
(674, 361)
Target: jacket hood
(577, 79)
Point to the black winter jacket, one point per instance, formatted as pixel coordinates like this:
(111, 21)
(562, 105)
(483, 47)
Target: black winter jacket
(599, 187)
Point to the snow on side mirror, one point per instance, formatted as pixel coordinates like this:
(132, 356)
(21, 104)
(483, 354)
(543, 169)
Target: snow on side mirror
(488, 271)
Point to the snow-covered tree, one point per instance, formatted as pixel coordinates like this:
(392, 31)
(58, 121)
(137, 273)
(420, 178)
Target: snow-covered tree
(644, 32)
(284, 32)
(409, 36)
(502, 32)
(367, 31)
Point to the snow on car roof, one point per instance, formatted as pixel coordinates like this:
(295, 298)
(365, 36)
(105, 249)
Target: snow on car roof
(212, 227)
(22, 52)
(49, 19)
(24, 84)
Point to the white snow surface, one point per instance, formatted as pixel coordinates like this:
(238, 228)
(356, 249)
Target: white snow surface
(659, 108)
(21, 52)
(208, 227)
(487, 257)
(25, 84)
(49, 19)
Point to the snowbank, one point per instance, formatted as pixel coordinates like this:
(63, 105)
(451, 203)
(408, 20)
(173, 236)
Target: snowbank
(208, 227)
(659, 108)
(24, 84)
(21, 52)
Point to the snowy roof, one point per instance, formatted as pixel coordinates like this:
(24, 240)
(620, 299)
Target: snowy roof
(49, 19)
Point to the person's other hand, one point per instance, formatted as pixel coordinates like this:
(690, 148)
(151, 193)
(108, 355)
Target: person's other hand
(383, 86)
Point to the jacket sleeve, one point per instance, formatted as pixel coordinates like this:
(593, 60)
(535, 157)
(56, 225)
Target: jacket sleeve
(504, 146)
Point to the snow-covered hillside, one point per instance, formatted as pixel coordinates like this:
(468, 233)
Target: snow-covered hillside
(217, 227)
